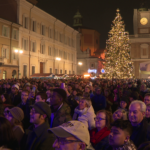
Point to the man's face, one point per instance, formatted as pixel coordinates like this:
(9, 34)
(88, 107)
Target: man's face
(69, 88)
(39, 99)
(74, 93)
(48, 93)
(35, 117)
(135, 114)
(14, 90)
(55, 99)
(98, 91)
(24, 96)
(117, 137)
(87, 90)
(147, 100)
(67, 144)
(148, 112)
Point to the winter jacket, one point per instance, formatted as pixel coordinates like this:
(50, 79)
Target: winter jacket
(142, 129)
(15, 99)
(37, 138)
(61, 116)
(98, 102)
(86, 116)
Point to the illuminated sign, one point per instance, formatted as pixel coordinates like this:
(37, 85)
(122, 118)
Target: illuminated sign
(102, 71)
(92, 70)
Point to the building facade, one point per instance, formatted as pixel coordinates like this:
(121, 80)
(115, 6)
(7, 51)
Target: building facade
(43, 38)
(140, 43)
(89, 45)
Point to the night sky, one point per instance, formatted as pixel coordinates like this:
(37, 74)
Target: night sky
(97, 14)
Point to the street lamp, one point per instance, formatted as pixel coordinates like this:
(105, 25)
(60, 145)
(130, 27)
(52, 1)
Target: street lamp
(80, 63)
(58, 59)
(19, 52)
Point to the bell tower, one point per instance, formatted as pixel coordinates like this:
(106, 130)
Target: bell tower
(77, 20)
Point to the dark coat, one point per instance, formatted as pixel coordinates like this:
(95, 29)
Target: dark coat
(102, 145)
(62, 115)
(26, 110)
(15, 99)
(37, 138)
(141, 133)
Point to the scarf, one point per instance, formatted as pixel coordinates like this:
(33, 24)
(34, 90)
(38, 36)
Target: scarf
(96, 137)
(81, 112)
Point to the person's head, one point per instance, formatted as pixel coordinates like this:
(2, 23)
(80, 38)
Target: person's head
(15, 89)
(106, 92)
(124, 102)
(4, 97)
(129, 84)
(103, 119)
(134, 96)
(87, 89)
(147, 111)
(69, 87)
(6, 134)
(24, 96)
(40, 112)
(49, 86)
(41, 97)
(59, 95)
(8, 86)
(147, 98)
(98, 90)
(84, 102)
(49, 93)
(137, 110)
(120, 114)
(71, 135)
(121, 131)
(74, 92)
(143, 87)
(15, 116)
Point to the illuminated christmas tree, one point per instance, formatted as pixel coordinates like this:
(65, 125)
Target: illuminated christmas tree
(118, 62)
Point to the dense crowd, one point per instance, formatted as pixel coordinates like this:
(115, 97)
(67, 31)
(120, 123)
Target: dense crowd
(75, 114)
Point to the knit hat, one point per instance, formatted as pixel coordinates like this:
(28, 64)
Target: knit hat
(16, 86)
(17, 113)
(42, 108)
(72, 128)
(61, 92)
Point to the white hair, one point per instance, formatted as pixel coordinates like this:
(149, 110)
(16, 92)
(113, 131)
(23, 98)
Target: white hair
(142, 105)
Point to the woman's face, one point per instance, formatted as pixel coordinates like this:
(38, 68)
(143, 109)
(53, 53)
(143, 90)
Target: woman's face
(123, 104)
(82, 104)
(3, 98)
(117, 115)
(100, 120)
(9, 117)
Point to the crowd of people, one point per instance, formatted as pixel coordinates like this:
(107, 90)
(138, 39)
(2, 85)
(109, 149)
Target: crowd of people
(74, 114)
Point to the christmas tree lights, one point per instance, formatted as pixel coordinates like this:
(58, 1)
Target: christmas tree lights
(118, 62)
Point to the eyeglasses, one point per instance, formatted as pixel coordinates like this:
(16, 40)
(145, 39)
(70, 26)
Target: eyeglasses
(99, 119)
(64, 141)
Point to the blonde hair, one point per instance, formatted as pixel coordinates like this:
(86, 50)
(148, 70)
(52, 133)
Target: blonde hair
(124, 114)
(88, 101)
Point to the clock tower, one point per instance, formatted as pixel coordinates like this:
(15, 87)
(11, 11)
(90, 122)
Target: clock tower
(140, 43)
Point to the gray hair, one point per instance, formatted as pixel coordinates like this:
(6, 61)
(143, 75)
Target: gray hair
(142, 105)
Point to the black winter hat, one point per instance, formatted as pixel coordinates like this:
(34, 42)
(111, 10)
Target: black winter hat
(42, 108)
(61, 92)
